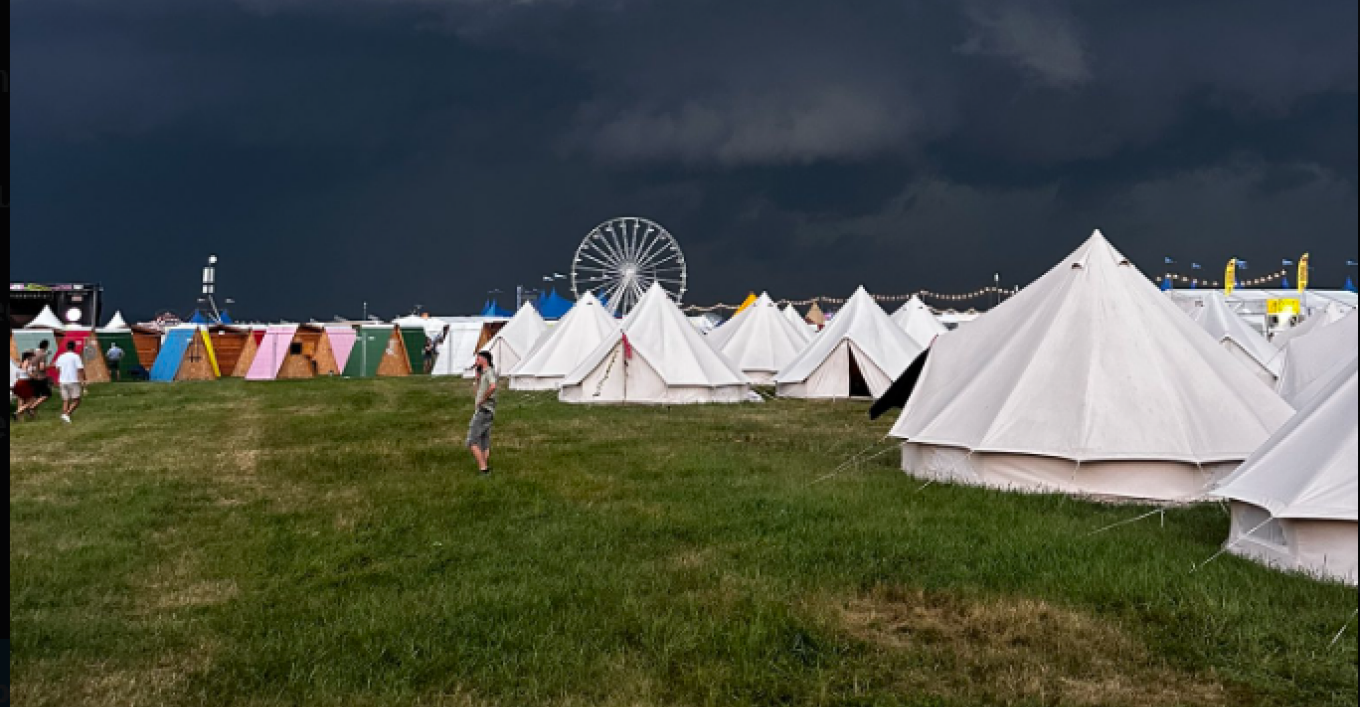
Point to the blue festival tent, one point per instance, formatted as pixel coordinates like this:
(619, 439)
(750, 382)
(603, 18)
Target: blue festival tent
(1166, 283)
(225, 319)
(492, 309)
(1350, 285)
(198, 318)
(553, 305)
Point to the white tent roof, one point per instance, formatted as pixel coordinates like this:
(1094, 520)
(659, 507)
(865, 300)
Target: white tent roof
(1215, 317)
(1090, 362)
(432, 325)
(46, 319)
(521, 333)
(1307, 359)
(918, 321)
(791, 314)
(873, 333)
(1309, 468)
(576, 335)
(1330, 314)
(661, 334)
(117, 323)
(760, 338)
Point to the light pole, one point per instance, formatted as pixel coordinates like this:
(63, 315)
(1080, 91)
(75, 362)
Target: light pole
(210, 286)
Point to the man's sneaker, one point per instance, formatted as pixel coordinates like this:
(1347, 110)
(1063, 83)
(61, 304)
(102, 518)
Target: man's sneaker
(66, 419)
(485, 472)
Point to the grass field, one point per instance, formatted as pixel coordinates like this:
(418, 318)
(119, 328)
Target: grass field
(327, 543)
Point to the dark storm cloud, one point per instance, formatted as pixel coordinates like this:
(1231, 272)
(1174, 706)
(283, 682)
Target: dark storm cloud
(425, 151)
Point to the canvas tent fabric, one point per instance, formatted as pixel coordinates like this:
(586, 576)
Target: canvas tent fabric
(454, 356)
(517, 338)
(760, 341)
(791, 314)
(859, 354)
(576, 336)
(1329, 315)
(116, 323)
(655, 358)
(1314, 357)
(87, 346)
(413, 341)
(46, 319)
(815, 317)
(918, 321)
(1089, 381)
(1294, 501)
(1233, 334)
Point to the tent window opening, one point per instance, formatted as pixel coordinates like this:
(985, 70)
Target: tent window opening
(1272, 532)
(295, 348)
(859, 388)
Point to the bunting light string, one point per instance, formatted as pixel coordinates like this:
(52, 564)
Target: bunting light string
(984, 292)
(887, 299)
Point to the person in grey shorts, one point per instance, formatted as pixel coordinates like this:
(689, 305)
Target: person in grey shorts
(484, 415)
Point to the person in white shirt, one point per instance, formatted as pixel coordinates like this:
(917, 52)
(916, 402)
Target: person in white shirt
(71, 376)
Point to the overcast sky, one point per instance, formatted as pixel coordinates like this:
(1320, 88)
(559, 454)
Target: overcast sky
(427, 151)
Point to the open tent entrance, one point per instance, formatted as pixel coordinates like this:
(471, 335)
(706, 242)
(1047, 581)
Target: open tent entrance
(859, 388)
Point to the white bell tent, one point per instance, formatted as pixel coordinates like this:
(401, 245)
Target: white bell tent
(1250, 348)
(858, 355)
(576, 335)
(1293, 502)
(655, 358)
(1328, 315)
(918, 321)
(1090, 382)
(1314, 357)
(760, 340)
(516, 339)
(791, 314)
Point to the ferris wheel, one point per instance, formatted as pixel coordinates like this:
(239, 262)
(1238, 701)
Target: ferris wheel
(620, 259)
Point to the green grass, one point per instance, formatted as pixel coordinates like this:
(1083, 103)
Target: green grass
(326, 542)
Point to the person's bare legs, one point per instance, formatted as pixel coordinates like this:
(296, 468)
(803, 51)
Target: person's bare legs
(480, 456)
(70, 406)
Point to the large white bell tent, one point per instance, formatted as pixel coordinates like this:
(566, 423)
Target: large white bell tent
(760, 340)
(516, 339)
(791, 314)
(576, 336)
(858, 355)
(1232, 333)
(918, 321)
(1091, 382)
(1293, 502)
(1314, 357)
(655, 358)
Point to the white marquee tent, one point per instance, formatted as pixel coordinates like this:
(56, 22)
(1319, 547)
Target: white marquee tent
(1315, 356)
(1294, 501)
(454, 356)
(760, 340)
(1088, 381)
(859, 354)
(517, 338)
(1232, 333)
(655, 358)
(576, 335)
(918, 321)
(117, 323)
(46, 319)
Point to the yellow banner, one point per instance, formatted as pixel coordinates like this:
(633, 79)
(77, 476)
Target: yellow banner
(1303, 273)
(1287, 306)
(1230, 277)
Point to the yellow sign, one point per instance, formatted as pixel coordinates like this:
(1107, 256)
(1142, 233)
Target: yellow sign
(1230, 277)
(1303, 273)
(1287, 306)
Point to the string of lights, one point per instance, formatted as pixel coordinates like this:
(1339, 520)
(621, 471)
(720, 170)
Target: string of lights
(983, 292)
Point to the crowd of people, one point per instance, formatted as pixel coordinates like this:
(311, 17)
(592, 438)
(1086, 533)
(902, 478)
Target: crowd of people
(33, 386)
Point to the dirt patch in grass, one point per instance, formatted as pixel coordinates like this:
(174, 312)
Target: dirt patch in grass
(111, 684)
(1007, 650)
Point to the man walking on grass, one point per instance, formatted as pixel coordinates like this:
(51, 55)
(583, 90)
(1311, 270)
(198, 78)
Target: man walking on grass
(71, 376)
(484, 415)
(115, 361)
